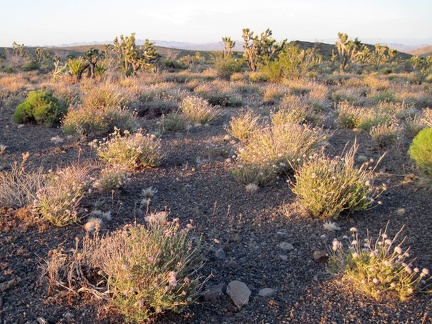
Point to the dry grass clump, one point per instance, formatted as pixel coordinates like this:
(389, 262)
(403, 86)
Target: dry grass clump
(143, 271)
(104, 95)
(427, 117)
(379, 268)
(198, 110)
(94, 121)
(131, 151)
(174, 122)
(244, 126)
(376, 83)
(13, 83)
(275, 150)
(58, 199)
(273, 93)
(327, 187)
(19, 185)
(385, 135)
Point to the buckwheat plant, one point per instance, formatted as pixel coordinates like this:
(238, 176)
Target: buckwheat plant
(58, 199)
(131, 151)
(150, 269)
(327, 187)
(380, 268)
(243, 126)
(111, 179)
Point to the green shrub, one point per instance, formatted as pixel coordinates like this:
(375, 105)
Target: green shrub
(327, 187)
(173, 122)
(378, 268)
(131, 152)
(40, 107)
(421, 152)
(226, 67)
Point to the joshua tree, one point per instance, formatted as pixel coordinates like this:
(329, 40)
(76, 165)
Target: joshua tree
(131, 58)
(228, 46)
(259, 51)
(347, 50)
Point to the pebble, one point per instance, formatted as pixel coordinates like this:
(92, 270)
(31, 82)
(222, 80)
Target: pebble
(212, 293)
(239, 293)
(320, 256)
(265, 292)
(220, 254)
(286, 246)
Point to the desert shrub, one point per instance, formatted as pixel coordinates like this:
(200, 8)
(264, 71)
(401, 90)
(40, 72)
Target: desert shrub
(378, 268)
(256, 77)
(413, 125)
(327, 187)
(292, 110)
(384, 96)
(273, 94)
(40, 107)
(107, 95)
(92, 121)
(198, 110)
(226, 67)
(144, 270)
(57, 201)
(421, 152)
(274, 151)
(385, 135)
(131, 152)
(243, 126)
(427, 117)
(225, 100)
(173, 122)
(19, 185)
(111, 178)
(13, 84)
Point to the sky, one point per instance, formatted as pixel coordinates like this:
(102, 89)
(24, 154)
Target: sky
(56, 22)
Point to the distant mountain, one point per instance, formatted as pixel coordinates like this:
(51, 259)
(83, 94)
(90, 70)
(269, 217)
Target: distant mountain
(423, 51)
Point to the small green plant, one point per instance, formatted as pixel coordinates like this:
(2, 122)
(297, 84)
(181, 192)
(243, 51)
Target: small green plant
(40, 107)
(58, 199)
(421, 152)
(198, 111)
(131, 151)
(243, 126)
(378, 268)
(173, 122)
(327, 187)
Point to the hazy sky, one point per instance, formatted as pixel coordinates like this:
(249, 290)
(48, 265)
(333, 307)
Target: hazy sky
(55, 22)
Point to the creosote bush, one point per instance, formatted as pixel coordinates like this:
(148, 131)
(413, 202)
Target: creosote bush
(144, 270)
(327, 187)
(40, 107)
(131, 151)
(421, 152)
(379, 268)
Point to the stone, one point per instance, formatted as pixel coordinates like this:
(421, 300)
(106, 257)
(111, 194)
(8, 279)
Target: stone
(239, 293)
(220, 254)
(283, 257)
(320, 256)
(265, 292)
(212, 293)
(286, 246)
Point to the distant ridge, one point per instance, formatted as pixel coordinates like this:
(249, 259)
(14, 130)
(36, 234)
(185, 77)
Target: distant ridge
(423, 51)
